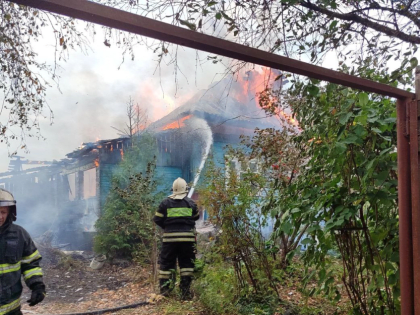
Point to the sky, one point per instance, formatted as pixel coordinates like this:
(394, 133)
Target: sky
(94, 89)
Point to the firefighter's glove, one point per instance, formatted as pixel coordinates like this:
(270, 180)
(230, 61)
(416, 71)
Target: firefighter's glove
(38, 294)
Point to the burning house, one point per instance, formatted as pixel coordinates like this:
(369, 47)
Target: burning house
(206, 123)
(89, 179)
(66, 197)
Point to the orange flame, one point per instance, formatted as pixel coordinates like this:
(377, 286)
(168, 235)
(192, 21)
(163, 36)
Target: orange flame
(139, 128)
(96, 162)
(177, 123)
(254, 82)
(287, 117)
(158, 106)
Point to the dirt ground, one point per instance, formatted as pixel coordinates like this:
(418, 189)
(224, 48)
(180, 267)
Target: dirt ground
(73, 287)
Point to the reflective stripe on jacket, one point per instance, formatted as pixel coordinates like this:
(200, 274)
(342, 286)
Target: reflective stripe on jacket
(18, 256)
(177, 218)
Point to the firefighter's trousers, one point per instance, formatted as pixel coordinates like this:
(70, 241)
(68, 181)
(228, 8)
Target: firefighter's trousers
(185, 253)
(15, 312)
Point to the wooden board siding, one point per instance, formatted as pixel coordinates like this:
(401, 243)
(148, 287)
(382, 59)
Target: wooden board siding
(105, 182)
(165, 176)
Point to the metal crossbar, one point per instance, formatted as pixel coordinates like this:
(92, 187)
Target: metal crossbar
(126, 21)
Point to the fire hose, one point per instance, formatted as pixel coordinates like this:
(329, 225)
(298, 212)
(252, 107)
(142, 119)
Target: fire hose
(107, 310)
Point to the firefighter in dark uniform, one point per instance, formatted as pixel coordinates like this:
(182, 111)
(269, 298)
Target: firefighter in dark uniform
(18, 257)
(176, 216)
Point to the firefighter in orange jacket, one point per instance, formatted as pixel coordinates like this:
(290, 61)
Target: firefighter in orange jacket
(176, 216)
(18, 257)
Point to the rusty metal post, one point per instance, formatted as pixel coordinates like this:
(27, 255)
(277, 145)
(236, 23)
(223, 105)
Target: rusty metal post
(404, 206)
(415, 189)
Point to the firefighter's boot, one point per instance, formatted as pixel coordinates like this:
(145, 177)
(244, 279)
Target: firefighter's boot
(184, 286)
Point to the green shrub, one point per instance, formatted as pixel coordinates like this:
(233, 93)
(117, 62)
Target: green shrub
(218, 292)
(125, 229)
(216, 289)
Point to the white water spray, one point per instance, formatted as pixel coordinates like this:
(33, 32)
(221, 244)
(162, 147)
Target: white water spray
(206, 135)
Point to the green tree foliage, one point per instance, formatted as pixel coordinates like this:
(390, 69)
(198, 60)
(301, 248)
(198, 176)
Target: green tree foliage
(25, 78)
(278, 161)
(331, 188)
(345, 189)
(22, 84)
(385, 29)
(143, 151)
(234, 203)
(125, 228)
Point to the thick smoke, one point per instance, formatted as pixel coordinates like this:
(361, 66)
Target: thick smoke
(35, 212)
(93, 93)
(97, 104)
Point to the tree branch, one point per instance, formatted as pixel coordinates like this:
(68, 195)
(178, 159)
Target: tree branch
(404, 12)
(363, 21)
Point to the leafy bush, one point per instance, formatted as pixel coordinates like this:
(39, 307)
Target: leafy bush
(234, 204)
(125, 228)
(217, 292)
(345, 191)
(216, 289)
(333, 190)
